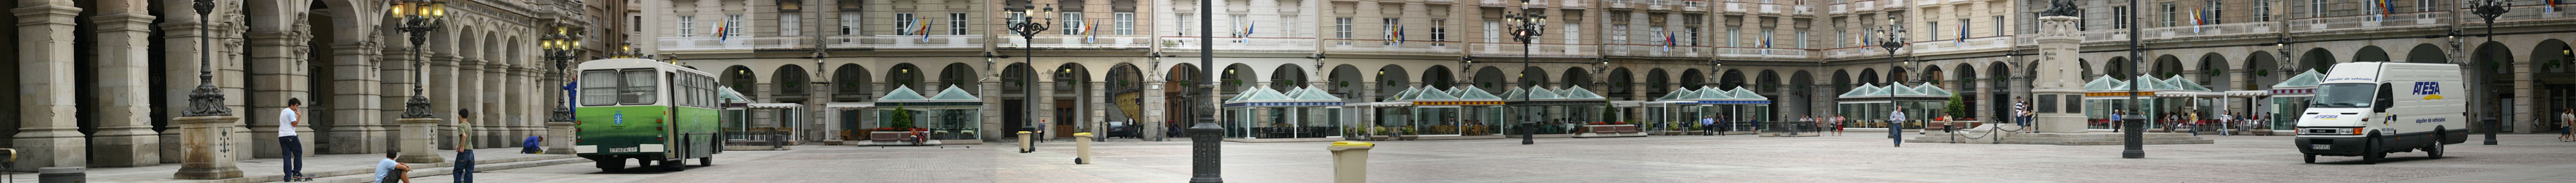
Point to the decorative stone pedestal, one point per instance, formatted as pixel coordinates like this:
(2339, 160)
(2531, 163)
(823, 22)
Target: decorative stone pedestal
(2057, 91)
(207, 148)
(559, 138)
(416, 134)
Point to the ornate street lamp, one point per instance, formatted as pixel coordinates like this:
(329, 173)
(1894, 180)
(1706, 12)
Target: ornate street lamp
(420, 17)
(1891, 39)
(559, 47)
(1205, 164)
(1028, 27)
(1527, 26)
(2489, 10)
(2134, 132)
(206, 100)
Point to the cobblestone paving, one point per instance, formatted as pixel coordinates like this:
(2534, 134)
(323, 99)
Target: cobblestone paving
(1856, 157)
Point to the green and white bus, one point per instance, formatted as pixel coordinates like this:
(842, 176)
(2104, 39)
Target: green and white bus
(646, 110)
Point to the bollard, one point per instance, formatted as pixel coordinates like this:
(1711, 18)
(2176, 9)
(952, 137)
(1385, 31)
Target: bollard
(1082, 148)
(61, 175)
(1350, 161)
(1024, 143)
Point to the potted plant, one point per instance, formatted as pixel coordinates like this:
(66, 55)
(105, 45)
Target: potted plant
(1379, 133)
(1407, 134)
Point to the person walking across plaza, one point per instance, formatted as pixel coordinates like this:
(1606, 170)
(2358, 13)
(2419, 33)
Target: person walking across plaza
(1838, 125)
(390, 171)
(2566, 120)
(1896, 125)
(2021, 114)
(464, 170)
(286, 138)
(2116, 121)
(2224, 127)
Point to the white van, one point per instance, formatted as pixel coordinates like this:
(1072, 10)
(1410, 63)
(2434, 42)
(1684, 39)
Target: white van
(2370, 109)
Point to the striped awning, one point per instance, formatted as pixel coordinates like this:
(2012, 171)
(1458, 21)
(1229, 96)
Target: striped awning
(2294, 91)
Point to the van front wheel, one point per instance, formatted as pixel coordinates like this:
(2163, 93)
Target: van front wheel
(2312, 158)
(2370, 152)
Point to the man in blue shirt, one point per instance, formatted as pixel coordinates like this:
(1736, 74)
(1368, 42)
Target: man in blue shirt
(1896, 125)
(388, 171)
(1708, 124)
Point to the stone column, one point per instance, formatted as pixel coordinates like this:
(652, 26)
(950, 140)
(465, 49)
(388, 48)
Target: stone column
(416, 140)
(125, 131)
(2525, 90)
(280, 76)
(491, 119)
(206, 150)
(399, 71)
(469, 96)
(1096, 108)
(1154, 106)
(2058, 42)
(443, 100)
(1042, 108)
(356, 118)
(47, 135)
(516, 101)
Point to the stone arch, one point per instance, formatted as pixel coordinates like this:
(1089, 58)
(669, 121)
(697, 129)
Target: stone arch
(1766, 81)
(790, 81)
(2318, 59)
(1491, 78)
(1933, 73)
(1439, 76)
(1345, 81)
(850, 84)
(2087, 74)
(1870, 76)
(1288, 76)
(1576, 76)
(2264, 70)
(2551, 52)
(1392, 79)
(1693, 79)
(2427, 53)
(1533, 76)
(1842, 81)
(1658, 83)
(905, 75)
(2167, 66)
(1998, 90)
(1017, 79)
(1731, 78)
(2213, 72)
(742, 80)
(1237, 78)
(1622, 83)
(960, 75)
(2370, 54)
(2120, 68)
(1801, 93)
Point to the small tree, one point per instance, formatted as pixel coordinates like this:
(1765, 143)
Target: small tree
(1956, 107)
(1608, 113)
(902, 119)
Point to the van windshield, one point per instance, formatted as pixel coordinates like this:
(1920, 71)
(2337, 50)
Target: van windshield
(2344, 95)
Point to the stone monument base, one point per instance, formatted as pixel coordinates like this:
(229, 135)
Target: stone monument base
(206, 148)
(416, 134)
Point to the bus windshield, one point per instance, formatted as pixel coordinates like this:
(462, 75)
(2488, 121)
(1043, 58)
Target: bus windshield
(2344, 95)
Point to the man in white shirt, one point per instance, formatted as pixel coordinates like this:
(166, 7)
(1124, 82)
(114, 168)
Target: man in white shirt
(286, 122)
(2021, 113)
(1895, 125)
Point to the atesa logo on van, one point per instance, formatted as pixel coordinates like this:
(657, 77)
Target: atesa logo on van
(2430, 90)
(2327, 117)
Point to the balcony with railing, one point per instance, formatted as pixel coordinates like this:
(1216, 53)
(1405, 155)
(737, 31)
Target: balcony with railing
(906, 42)
(2359, 22)
(1623, 4)
(1854, 52)
(1659, 4)
(2234, 29)
(743, 43)
(1926, 3)
(1969, 45)
(1893, 5)
(1239, 44)
(2106, 35)
(1494, 3)
(1695, 5)
(1080, 42)
(1571, 4)
(1803, 9)
(1513, 49)
(1864, 6)
(2522, 14)
(1761, 53)
(1771, 9)
(1647, 50)
(1736, 7)
(1387, 46)
(1838, 9)
(1443, 1)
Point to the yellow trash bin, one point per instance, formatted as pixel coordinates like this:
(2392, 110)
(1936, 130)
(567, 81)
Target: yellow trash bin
(1350, 161)
(1082, 148)
(1024, 143)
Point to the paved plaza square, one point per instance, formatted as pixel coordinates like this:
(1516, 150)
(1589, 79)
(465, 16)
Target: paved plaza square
(1855, 157)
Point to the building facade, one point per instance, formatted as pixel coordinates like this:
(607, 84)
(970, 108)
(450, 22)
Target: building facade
(96, 83)
(1099, 56)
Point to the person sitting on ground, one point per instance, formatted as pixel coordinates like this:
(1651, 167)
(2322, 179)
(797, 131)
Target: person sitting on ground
(389, 171)
(530, 146)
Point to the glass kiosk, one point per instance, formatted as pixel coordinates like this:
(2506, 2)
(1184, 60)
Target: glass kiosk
(2290, 98)
(1262, 113)
(1867, 106)
(951, 115)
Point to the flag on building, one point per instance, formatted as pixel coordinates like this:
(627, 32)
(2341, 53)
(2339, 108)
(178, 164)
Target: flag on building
(2549, 6)
(1766, 43)
(1247, 32)
(1088, 36)
(2197, 20)
(921, 28)
(1963, 35)
(1396, 34)
(1668, 41)
(2384, 9)
(720, 32)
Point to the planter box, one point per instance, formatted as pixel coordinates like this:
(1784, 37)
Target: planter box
(1600, 131)
(1409, 137)
(896, 138)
